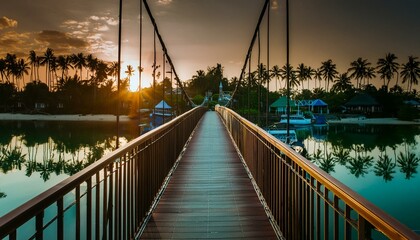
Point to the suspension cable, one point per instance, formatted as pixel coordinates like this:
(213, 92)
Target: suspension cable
(249, 51)
(140, 52)
(268, 65)
(119, 73)
(152, 19)
(259, 69)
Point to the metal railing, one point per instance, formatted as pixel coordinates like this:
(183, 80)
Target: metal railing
(110, 198)
(304, 201)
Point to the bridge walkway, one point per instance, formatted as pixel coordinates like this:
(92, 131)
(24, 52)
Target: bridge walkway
(210, 194)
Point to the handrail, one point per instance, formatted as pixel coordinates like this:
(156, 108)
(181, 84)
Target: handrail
(307, 180)
(119, 178)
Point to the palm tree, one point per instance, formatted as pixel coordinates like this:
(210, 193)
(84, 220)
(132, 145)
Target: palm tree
(360, 70)
(91, 63)
(293, 81)
(129, 72)
(79, 61)
(318, 76)
(113, 70)
(411, 72)
(53, 71)
(341, 155)
(33, 61)
(342, 83)
(64, 63)
(329, 72)
(385, 167)
(359, 166)
(387, 67)
(370, 73)
(408, 163)
(310, 72)
(276, 73)
(328, 163)
(3, 69)
(301, 73)
(21, 69)
(10, 66)
(46, 60)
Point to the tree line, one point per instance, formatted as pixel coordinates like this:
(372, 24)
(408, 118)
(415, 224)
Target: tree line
(76, 83)
(92, 88)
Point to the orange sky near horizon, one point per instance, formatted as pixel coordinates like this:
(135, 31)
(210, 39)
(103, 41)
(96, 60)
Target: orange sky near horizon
(200, 34)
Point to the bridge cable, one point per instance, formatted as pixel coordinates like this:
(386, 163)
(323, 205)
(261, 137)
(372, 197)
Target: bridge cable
(119, 72)
(287, 75)
(259, 70)
(154, 76)
(152, 19)
(249, 84)
(140, 52)
(249, 51)
(268, 65)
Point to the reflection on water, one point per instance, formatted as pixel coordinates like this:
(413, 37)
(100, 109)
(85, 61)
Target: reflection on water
(358, 148)
(35, 155)
(380, 162)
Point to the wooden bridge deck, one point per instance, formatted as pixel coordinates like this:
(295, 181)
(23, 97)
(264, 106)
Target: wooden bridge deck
(210, 194)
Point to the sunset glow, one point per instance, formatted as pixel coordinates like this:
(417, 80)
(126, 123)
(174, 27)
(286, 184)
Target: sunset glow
(194, 43)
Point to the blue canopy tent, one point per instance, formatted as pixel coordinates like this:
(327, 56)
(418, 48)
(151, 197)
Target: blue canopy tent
(318, 106)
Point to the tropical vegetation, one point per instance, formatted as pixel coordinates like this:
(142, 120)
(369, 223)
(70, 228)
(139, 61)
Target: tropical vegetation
(80, 83)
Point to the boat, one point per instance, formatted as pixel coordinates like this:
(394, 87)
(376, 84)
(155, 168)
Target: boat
(281, 134)
(293, 142)
(296, 120)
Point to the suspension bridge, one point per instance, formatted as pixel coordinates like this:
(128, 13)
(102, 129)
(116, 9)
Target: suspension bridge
(204, 174)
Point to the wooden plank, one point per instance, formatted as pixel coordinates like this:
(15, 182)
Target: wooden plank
(210, 194)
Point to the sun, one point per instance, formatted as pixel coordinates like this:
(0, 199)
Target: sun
(134, 78)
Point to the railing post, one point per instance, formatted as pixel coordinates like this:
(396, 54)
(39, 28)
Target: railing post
(89, 209)
(60, 219)
(39, 219)
(364, 229)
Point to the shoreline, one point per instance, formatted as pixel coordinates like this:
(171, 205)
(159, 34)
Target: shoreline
(125, 118)
(64, 117)
(376, 121)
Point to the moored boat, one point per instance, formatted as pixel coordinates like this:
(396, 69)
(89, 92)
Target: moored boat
(296, 120)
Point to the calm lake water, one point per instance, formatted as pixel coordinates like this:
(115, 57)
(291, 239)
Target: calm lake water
(379, 162)
(36, 155)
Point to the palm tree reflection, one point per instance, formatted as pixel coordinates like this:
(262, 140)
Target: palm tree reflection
(328, 163)
(408, 163)
(11, 158)
(361, 162)
(385, 167)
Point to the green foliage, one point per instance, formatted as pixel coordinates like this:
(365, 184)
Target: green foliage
(7, 95)
(408, 113)
(212, 104)
(198, 99)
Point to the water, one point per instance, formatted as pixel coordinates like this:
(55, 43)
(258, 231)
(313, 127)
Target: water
(380, 162)
(36, 155)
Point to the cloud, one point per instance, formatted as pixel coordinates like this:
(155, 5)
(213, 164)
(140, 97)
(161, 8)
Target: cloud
(16, 43)
(62, 43)
(164, 2)
(6, 22)
(110, 21)
(274, 5)
(88, 35)
(102, 28)
(95, 18)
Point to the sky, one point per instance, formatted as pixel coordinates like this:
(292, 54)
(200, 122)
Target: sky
(201, 33)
